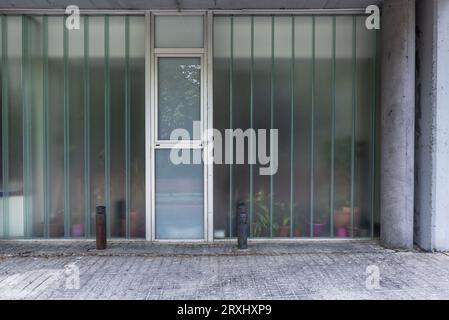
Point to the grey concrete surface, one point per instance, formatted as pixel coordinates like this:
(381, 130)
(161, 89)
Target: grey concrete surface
(432, 125)
(143, 270)
(189, 4)
(397, 123)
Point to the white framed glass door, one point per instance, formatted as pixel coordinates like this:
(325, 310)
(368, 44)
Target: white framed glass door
(178, 112)
(179, 172)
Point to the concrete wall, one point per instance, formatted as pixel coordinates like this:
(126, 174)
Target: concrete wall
(189, 4)
(432, 125)
(397, 123)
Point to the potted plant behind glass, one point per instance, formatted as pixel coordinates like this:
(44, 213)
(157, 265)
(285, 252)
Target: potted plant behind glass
(342, 219)
(282, 209)
(283, 229)
(320, 221)
(261, 214)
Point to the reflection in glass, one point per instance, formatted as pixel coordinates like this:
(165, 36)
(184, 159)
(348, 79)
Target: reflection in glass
(179, 197)
(179, 95)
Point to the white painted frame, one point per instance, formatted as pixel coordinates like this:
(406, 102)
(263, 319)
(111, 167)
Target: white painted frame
(153, 143)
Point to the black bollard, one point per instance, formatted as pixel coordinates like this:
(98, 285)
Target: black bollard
(242, 226)
(100, 227)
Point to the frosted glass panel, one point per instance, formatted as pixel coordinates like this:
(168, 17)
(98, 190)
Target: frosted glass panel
(67, 86)
(137, 119)
(179, 197)
(240, 108)
(96, 115)
(261, 120)
(222, 53)
(363, 141)
(306, 77)
(16, 223)
(282, 105)
(76, 120)
(179, 32)
(343, 125)
(56, 126)
(179, 91)
(322, 128)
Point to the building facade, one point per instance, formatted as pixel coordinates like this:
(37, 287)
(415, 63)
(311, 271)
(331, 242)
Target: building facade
(95, 107)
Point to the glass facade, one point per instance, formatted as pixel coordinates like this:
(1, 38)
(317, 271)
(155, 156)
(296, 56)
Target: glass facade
(73, 125)
(73, 131)
(314, 79)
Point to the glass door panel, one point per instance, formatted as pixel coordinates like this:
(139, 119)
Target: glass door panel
(179, 95)
(178, 184)
(179, 196)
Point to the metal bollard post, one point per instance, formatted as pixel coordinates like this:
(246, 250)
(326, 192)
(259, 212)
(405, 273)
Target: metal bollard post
(242, 226)
(100, 227)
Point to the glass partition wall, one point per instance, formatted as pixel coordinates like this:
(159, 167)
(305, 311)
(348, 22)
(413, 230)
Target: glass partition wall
(73, 131)
(74, 124)
(314, 79)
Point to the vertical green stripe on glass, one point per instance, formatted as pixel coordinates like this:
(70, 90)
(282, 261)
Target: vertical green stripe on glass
(354, 118)
(26, 125)
(106, 126)
(46, 125)
(5, 126)
(66, 132)
(332, 186)
(251, 124)
(292, 126)
(86, 124)
(127, 130)
(312, 131)
(231, 98)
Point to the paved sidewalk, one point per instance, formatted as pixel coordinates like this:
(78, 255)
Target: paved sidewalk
(290, 270)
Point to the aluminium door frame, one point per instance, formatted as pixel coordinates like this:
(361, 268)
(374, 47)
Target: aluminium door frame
(152, 143)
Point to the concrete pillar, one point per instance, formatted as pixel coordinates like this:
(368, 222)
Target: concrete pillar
(432, 126)
(397, 123)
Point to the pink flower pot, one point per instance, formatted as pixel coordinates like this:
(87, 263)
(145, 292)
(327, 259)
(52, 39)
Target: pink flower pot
(342, 232)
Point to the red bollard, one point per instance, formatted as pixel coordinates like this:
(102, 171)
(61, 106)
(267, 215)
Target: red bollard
(100, 227)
